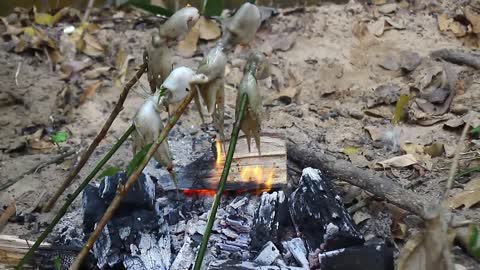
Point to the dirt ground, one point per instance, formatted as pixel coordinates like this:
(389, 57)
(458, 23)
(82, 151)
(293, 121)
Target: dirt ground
(325, 69)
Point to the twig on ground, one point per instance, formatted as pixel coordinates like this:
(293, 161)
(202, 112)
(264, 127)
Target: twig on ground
(454, 165)
(17, 72)
(458, 57)
(7, 213)
(86, 155)
(122, 190)
(88, 9)
(73, 196)
(221, 183)
(37, 167)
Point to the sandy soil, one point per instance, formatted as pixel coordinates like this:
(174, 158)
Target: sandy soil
(318, 91)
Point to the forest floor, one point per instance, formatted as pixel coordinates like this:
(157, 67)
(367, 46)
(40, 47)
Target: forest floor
(337, 73)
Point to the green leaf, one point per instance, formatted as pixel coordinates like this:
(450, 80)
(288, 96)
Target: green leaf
(110, 171)
(212, 7)
(475, 131)
(59, 137)
(145, 5)
(399, 108)
(137, 159)
(57, 263)
(468, 171)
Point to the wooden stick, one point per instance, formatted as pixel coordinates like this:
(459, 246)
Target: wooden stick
(6, 215)
(118, 108)
(221, 184)
(458, 57)
(122, 191)
(73, 196)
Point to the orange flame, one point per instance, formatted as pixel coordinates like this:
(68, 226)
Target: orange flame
(258, 174)
(218, 148)
(199, 192)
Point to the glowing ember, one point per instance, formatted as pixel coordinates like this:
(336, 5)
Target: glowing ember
(199, 192)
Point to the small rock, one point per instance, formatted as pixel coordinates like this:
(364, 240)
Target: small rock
(387, 8)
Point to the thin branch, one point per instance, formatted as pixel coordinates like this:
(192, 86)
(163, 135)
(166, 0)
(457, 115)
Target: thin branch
(72, 197)
(454, 165)
(221, 184)
(7, 214)
(122, 191)
(88, 10)
(118, 108)
(37, 167)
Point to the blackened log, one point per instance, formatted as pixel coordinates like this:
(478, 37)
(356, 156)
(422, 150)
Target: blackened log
(243, 265)
(141, 195)
(93, 208)
(319, 216)
(374, 257)
(270, 214)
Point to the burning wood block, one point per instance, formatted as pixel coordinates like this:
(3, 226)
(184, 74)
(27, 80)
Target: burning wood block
(249, 171)
(270, 214)
(319, 216)
(244, 265)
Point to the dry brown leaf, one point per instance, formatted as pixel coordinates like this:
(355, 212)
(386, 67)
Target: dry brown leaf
(434, 150)
(377, 27)
(361, 216)
(123, 67)
(89, 91)
(468, 197)
(444, 22)
(92, 47)
(474, 18)
(379, 112)
(361, 32)
(397, 23)
(427, 250)
(10, 30)
(96, 72)
(41, 144)
(209, 29)
(375, 133)
(398, 162)
(188, 46)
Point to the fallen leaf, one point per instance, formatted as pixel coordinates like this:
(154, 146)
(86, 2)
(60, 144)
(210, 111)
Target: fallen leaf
(375, 133)
(361, 32)
(124, 60)
(409, 61)
(89, 91)
(397, 23)
(43, 19)
(350, 150)
(41, 144)
(283, 42)
(188, 46)
(402, 102)
(412, 148)
(468, 197)
(443, 22)
(60, 14)
(387, 8)
(384, 94)
(71, 68)
(434, 150)
(390, 63)
(209, 29)
(59, 137)
(428, 249)
(474, 18)
(379, 112)
(92, 47)
(398, 162)
(96, 72)
(10, 30)
(377, 27)
(361, 216)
